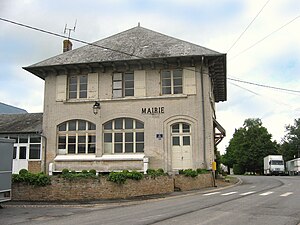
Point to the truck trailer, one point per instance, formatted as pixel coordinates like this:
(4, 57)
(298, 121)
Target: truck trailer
(293, 167)
(273, 165)
(6, 158)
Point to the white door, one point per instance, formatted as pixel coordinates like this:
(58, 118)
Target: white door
(20, 160)
(181, 146)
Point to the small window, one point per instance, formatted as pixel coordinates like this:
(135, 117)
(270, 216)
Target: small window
(78, 86)
(34, 151)
(176, 141)
(22, 152)
(171, 82)
(123, 84)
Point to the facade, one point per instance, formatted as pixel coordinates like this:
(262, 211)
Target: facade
(25, 129)
(136, 100)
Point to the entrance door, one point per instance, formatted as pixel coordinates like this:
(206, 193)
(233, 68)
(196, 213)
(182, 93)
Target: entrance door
(20, 160)
(181, 146)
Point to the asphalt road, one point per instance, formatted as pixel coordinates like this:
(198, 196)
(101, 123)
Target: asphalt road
(258, 200)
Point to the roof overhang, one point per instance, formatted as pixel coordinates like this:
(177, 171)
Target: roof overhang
(220, 134)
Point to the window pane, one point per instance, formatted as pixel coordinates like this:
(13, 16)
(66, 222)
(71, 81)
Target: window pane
(91, 139)
(117, 76)
(72, 139)
(107, 137)
(83, 94)
(166, 74)
(81, 148)
(185, 128)
(34, 151)
(128, 137)
(72, 88)
(186, 140)
(128, 123)
(71, 149)
(22, 152)
(15, 153)
(62, 146)
(128, 76)
(91, 148)
(35, 139)
(62, 139)
(108, 148)
(118, 148)
(83, 79)
(139, 125)
(177, 73)
(118, 137)
(72, 94)
(175, 128)
(81, 125)
(117, 93)
(23, 139)
(139, 147)
(129, 147)
(139, 137)
(119, 124)
(129, 84)
(166, 82)
(62, 127)
(177, 82)
(81, 139)
(117, 85)
(72, 125)
(73, 80)
(166, 90)
(175, 141)
(108, 126)
(177, 90)
(129, 92)
(91, 126)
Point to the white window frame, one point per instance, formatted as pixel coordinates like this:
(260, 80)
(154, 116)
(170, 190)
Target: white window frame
(109, 146)
(79, 89)
(119, 83)
(172, 84)
(63, 146)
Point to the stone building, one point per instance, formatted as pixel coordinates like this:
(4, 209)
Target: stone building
(135, 100)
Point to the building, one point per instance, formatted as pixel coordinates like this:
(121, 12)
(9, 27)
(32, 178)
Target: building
(25, 129)
(134, 100)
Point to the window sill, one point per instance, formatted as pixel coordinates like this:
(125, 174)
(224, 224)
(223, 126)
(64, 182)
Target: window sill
(142, 98)
(121, 157)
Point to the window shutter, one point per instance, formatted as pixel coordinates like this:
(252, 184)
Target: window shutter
(189, 81)
(93, 84)
(139, 83)
(61, 88)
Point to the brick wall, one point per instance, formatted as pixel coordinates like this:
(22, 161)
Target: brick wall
(34, 166)
(184, 183)
(95, 189)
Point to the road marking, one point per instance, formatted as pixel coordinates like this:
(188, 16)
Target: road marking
(229, 193)
(248, 193)
(286, 194)
(212, 193)
(267, 193)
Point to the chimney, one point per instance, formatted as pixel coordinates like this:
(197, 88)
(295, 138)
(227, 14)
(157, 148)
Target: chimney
(67, 45)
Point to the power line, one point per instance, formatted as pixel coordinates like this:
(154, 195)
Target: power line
(140, 57)
(263, 85)
(248, 26)
(265, 37)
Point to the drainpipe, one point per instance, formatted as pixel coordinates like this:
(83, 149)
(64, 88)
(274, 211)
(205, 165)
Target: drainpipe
(203, 114)
(45, 151)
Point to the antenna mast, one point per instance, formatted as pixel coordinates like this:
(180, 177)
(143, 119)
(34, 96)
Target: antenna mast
(68, 30)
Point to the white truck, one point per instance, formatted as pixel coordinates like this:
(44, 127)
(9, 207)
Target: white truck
(273, 165)
(293, 167)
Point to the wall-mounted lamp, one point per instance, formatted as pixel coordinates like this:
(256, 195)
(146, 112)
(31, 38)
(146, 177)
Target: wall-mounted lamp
(96, 107)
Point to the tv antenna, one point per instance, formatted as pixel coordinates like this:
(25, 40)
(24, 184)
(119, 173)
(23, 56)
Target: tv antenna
(68, 30)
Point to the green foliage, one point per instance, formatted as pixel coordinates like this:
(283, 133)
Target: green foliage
(23, 172)
(238, 169)
(202, 171)
(39, 179)
(92, 171)
(155, 173)
(121, 177)
(66, 174)
(290, 147)
(84, 171)
(65, 171)
(248, 146)
(190, 173)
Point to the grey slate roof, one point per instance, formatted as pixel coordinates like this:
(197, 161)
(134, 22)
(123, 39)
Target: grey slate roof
(21, 123)
(137, 41)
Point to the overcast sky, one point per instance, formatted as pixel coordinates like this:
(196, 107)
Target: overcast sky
(268, 53)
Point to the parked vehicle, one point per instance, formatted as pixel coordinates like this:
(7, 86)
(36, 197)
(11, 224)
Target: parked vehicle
(273, 165)
(293, 167)
(6, 158)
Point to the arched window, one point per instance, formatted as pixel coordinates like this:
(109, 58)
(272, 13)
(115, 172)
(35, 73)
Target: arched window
(123, 135)
(76, 137)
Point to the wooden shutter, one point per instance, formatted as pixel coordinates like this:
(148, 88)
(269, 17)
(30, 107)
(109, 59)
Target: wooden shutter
(139, 83)
(93, 85)
(61, 88)
(189, 81)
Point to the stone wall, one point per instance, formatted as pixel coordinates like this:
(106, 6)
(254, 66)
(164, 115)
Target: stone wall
(96, 189)
(184, 183)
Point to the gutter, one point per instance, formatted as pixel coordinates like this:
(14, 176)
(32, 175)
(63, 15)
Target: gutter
(203, 114)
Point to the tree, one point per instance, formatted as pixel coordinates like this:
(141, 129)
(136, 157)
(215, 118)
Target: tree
(249, 145)
(290, 148)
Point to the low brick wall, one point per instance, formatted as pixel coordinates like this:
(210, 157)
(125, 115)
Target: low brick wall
(184, 183)
(91, 189)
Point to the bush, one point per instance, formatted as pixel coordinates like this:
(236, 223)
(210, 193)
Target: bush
(136, 175)
(190, 173)
(39, 179)
(84, 171)
(117, 177)
(202, 171)
(65, 171)
(92, 171)
(155, 173)
(23, 172)
(238, 169)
